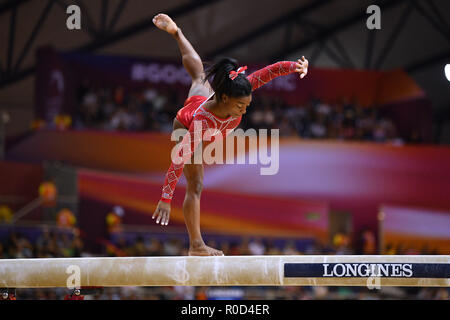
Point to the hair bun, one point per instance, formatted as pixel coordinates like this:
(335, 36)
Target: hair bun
(228, 64)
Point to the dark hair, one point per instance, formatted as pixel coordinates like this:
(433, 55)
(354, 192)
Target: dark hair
(221, 82)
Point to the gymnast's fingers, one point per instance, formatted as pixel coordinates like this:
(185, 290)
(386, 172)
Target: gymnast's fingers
(163, 218)
(302, 70)
(167, 218)
(306, 63)
(303, 64)
(159, 216)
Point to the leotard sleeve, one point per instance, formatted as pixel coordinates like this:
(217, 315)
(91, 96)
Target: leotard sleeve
(266, 74)
(185, 150)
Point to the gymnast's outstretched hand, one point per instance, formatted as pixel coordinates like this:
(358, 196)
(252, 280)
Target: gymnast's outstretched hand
(162, 213)
(302, 67)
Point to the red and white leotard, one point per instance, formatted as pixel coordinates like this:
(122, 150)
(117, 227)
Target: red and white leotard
(194, 111)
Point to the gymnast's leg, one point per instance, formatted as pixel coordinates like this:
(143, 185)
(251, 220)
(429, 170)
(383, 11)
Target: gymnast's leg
(190, 58)
(191, 207)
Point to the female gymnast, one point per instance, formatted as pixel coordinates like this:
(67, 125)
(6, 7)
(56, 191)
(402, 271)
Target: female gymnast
(232, 91)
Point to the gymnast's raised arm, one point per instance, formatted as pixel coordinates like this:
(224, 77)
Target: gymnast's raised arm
(282, 68)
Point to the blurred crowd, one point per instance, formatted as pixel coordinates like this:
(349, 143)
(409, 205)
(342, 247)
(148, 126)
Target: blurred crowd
(117, 109)
(320, 120)
(150, 109)
(47, 245)
(51, 244)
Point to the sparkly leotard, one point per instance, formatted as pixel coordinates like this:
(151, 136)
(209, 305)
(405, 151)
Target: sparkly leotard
(193, 114)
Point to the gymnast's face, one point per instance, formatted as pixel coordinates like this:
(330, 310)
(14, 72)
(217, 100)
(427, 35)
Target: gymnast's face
(237, 106)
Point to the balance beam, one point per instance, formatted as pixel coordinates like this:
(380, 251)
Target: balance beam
(323, 270)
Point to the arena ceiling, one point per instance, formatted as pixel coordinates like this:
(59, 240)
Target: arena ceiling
(414, 35)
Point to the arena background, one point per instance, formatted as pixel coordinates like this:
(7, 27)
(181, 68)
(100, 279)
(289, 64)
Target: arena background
(86, 116)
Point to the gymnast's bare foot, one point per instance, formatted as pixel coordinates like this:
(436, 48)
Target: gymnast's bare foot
(201, 249)
(165, 23)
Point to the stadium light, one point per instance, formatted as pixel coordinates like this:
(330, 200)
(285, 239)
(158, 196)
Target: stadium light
(447, 71)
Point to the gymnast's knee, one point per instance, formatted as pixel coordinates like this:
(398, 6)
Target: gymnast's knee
(194, 188)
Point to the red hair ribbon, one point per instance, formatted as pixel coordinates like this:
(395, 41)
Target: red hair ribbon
(234, 74)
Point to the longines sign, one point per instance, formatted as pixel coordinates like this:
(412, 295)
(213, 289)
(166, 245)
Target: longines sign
(361, 270)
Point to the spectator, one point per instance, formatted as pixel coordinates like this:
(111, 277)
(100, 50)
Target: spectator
(256, 247)
(155, 248)
(290, 249)
(139, 248)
